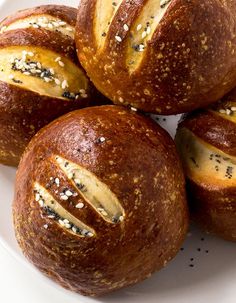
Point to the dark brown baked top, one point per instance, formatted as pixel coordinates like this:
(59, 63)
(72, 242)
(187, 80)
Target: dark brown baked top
(165, 57)
(108, 186)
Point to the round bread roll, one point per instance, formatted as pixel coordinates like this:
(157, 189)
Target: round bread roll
(102, 204)
(207, 144)
(165, 57)
(40, 77)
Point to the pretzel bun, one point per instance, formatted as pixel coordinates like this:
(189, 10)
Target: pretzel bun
(164, 57)
(40, 77)
(207, 144)
(100, 200)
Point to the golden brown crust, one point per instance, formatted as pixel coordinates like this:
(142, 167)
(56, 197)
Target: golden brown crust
(24, 108)
(19, 112)
(65, 13)
(189, 61)
(213, 209)
(137, 160)
(210, 172)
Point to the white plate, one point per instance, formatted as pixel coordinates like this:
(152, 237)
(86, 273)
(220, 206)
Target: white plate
(205, 271)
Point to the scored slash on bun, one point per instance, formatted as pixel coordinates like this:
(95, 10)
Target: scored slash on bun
(164, 57)
(105, 195)
(40, 76)
(57, 18)
(207, 145)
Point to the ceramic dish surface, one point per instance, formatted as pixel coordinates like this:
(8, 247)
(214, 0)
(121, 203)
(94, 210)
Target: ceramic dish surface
(203, 271)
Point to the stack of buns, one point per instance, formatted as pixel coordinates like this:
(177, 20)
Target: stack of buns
(100, 195)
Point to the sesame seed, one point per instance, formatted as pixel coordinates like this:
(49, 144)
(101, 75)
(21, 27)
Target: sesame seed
(139, 27)
(77, 181)
(102, 139)
(45, 226)
(58, 59)
(55, 24)
(233, 108)
(74, 229)
(141, 47)
(57, 181)
(66, 221)
(102, 211)
(64, 197)
(62, 23)
(80, 205)
(126, 28)
(69, 193)
(118, 38)
(57, 81)
(62, 64)
(41, 203)
(121, 218)
(61, 222)
(222, 111)
(84, 232)
(144, 34)
(47, 79)
(51, 217)
(82, 91)
(70, 175)
(64, 84)
(37, 197)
